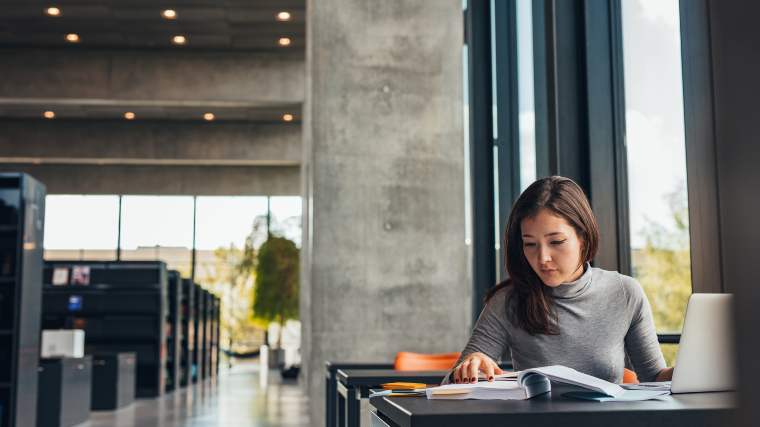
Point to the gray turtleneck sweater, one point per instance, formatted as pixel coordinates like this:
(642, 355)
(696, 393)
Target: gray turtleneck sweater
(602, 316)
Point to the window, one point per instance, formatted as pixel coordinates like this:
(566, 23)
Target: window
(286, 217)
(656, 159)
(525, 93)
(81, 227)
(222, 226)
(158, 228)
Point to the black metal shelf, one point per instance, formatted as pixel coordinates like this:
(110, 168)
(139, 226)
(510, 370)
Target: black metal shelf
(21, 220)
(118, 292)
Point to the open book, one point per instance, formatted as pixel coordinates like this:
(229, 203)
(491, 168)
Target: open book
(535, 381)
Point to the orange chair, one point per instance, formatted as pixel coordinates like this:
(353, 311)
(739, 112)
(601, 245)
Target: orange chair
(408, 361)
(630, 377)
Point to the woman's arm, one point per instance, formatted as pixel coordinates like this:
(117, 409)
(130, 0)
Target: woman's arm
(489, 337)
(641, 342)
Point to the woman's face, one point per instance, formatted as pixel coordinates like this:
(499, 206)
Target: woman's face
(552, 247)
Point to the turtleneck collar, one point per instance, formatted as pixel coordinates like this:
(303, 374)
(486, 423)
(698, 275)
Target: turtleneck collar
(575, 288)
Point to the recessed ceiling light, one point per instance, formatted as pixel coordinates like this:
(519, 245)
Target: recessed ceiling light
(169, 14)
(72, 38)
(284, 41)
(287, 117)
(53, 11)
(283, 16)
(208, 117)
(129, 115)
(48, 115)
(179, 39)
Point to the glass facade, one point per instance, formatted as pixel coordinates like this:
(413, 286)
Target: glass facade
(81, 227)
(158, 227)
(525, 93)
(167, 228)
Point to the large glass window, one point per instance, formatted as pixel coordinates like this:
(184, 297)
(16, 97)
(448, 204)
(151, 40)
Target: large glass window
(525, 93)
(656, 159)
(224, 225)
(286, 217)
(158, 228)
(81, 227)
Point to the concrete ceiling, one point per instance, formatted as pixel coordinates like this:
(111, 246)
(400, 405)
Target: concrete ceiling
(207, 24)
(143, 110)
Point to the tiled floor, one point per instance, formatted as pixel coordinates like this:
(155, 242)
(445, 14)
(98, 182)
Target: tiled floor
(237, 399)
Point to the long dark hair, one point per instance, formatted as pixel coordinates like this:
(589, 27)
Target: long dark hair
(530, 303)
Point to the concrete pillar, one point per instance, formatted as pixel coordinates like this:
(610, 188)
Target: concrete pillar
(384, 258)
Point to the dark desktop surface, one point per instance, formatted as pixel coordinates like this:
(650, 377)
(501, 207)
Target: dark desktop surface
(551, 409)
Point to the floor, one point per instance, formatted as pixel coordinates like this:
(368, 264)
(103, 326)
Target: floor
(239, 398)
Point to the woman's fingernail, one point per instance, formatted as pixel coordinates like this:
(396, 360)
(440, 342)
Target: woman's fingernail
(490, 378)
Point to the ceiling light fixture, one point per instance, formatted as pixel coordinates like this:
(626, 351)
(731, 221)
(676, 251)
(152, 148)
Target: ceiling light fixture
(169, 14)
(287, 117)
(284, 41)
(53, 11)
(129, 115)
(48, 115)
(179, 40)
(72, 38)
(208, 117)
(283, 16)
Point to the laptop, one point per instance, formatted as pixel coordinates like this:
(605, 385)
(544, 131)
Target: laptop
(705, 359)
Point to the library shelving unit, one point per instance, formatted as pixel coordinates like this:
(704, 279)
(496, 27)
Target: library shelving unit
(215, 340)
(22, 211)
(207, 309)
(187, 336)
(121, 306)
(173, 330)
(199, 308)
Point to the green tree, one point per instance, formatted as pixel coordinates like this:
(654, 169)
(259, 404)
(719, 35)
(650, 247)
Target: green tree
(225, 278)
(276, 284)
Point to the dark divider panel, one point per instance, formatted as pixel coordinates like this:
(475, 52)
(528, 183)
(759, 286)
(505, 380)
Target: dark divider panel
(173, 330)
(22, 211)
(215, 341)
(208, 309)
(122, 307)
(198, 322)
(187, 342)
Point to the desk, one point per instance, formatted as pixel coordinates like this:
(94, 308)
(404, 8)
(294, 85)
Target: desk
(354, 384)
(551, 409)
(331, 386)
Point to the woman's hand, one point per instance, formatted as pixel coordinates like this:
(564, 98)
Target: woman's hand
(467, 371)
(665, 375)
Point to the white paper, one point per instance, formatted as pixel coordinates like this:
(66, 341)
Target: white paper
(566, 375)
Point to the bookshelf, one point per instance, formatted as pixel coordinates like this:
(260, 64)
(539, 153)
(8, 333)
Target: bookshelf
(22, 210)
(187, 341)
(199, 319)
(122, 307)
(173, 330)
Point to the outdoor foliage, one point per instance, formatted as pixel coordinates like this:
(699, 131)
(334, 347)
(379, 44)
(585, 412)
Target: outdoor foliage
(276, 283)
(235, 288)
(663, 267)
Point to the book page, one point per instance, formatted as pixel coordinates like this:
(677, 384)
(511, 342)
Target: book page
(567, 375)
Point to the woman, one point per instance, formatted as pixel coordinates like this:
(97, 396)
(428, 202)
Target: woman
(556, 309)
